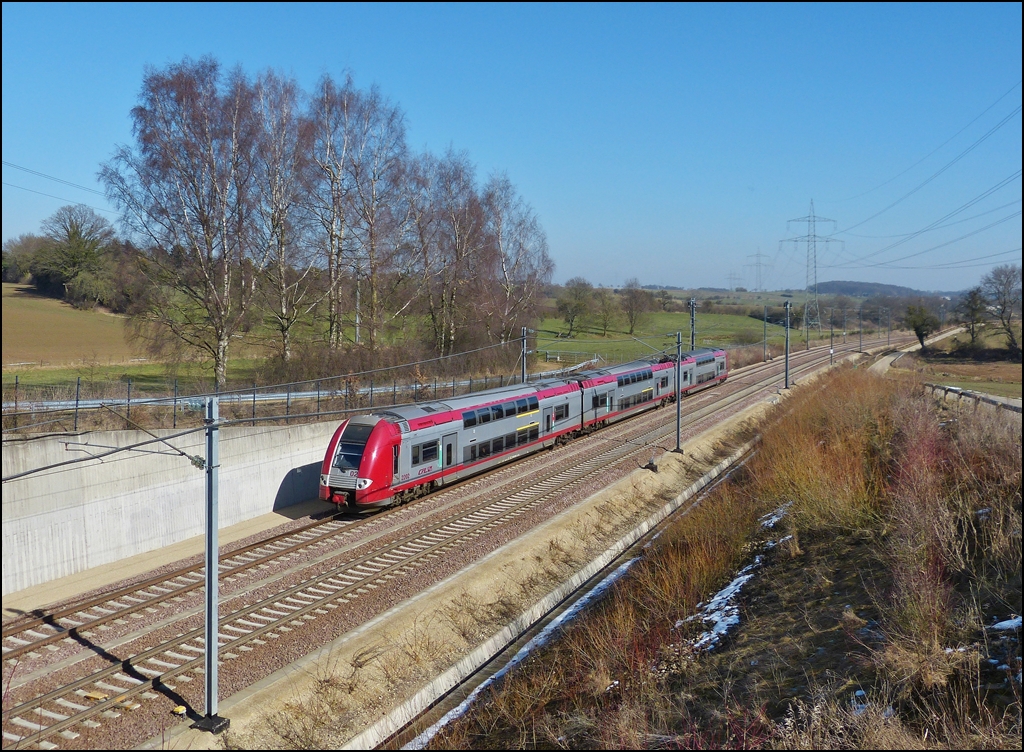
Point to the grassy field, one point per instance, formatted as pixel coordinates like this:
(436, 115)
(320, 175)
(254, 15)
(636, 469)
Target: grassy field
(42, 331)
(658, 332)
(46, 342)
(984, 369)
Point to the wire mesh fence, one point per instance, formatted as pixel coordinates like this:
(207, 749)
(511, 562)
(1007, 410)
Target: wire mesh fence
(83, 405)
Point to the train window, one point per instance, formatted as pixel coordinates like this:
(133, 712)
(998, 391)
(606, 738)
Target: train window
(534, 403)
(470, 453)
(686, 377)
(497, 412)
(483, 415)
(356, 433)
(522, 436)
(415, 455)
(534, 432)
(510, 440)
(522, 406)
(429, 453)
(664, 381)
(647, 395)
(348, 456)
(510, 409)
(469, 419)
(485, 449)
(561, 412)
(498, 444)
(618, 381)
(394, 460)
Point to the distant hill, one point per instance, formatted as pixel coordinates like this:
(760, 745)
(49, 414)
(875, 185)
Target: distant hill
(871, 289)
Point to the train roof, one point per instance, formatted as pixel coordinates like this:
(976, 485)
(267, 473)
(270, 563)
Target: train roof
(423, 414)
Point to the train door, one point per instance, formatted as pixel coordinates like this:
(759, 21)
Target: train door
(450, 450)
(547, 420)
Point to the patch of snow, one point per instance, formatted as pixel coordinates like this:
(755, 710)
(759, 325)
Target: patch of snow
(1007, 625)
(769, 520)
(721, 612)
(540, 640)
(769, 545)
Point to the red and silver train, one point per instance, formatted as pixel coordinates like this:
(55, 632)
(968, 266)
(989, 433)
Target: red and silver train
(395, 455)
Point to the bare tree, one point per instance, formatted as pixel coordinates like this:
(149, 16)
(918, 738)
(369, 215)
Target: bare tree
(380, 209)
(448, 222)
(186, 189)
(280, 160)
(636, 303)
(519, 263)
(606, 309)
(972, 311)
(1002, 286)
(575, 302)
(329, 186)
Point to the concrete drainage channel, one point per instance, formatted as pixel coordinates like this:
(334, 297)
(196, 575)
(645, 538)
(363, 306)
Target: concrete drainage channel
(397, 726)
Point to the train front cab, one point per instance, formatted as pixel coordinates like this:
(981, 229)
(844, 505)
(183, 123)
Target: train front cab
(361, 463)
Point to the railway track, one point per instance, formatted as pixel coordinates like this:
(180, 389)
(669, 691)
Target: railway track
(50, 717)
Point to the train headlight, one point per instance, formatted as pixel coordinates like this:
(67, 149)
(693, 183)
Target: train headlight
(325, 480)
(363, 483)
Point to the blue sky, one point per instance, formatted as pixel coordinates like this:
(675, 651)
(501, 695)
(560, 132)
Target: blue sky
(670, 143)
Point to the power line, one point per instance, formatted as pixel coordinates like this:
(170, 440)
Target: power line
(59, 198)
(964, 263)
(922, 159)
(957, 158)
(936, 227)
(963, 207)
(885, 265)
(51, 177)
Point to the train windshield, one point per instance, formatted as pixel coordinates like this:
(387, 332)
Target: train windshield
(350, 449)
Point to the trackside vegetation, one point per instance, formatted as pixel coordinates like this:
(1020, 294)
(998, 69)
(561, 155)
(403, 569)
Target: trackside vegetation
(878, 619)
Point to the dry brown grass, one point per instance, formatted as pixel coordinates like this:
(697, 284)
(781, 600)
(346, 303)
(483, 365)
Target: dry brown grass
(906, 542)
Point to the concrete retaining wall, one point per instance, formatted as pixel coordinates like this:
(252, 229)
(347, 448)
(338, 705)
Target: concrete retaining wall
(63, 521)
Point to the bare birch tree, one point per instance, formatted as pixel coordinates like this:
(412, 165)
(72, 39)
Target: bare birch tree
(520, 266)
(379, 198)
(279, 158)
(185, 189)
(449, 261)
(329, 186)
